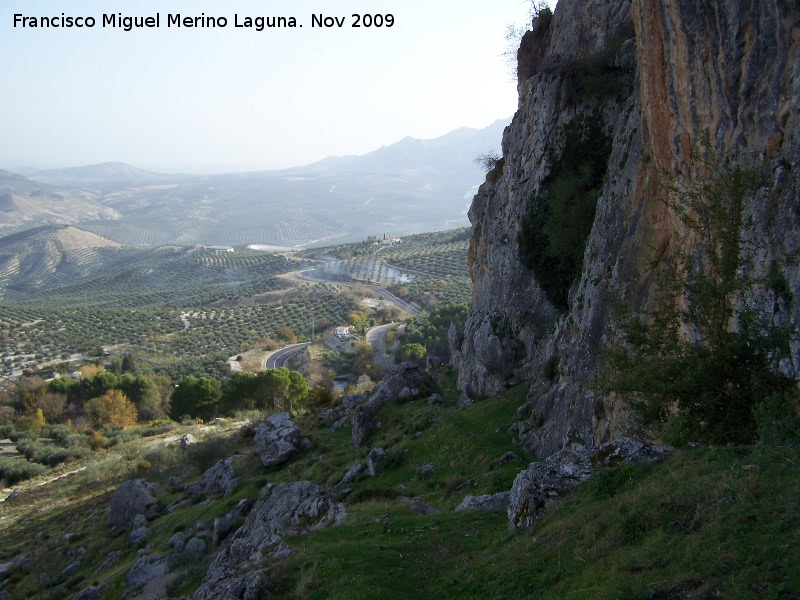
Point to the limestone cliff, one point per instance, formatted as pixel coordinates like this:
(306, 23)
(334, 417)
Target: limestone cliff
(654, 78)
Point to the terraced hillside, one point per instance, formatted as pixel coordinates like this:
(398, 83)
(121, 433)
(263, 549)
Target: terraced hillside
(25, 203)
(428, 268)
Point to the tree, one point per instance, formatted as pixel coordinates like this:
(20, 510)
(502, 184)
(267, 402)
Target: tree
(298, 389)
(415, 352)
(239, 392)
(272, 389)
(112, 409)
(357, 319)
(286, 333)
(195, 397)
(52, 406)
(489, 161)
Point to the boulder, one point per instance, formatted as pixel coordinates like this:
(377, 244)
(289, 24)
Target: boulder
(505, 459)
(71, 569)
(219, 480)
(541, 483)
(139, 530)
(90, 593)
(187, 440)
(222, 528)
(341, 415)
(134, 497)
(485, 502)
(195, 549)
(282, 510)
(407, 379)
(146, 569)
(177, 539)
(375, 461)
(351, 474)
(423, 508)
(278, 439)
(111, 558)
(436, 399)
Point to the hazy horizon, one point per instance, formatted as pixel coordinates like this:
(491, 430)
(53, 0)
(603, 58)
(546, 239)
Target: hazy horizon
(9, 164)
(213, 99)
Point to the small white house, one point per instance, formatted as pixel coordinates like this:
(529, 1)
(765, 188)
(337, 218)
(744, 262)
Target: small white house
(342, 334)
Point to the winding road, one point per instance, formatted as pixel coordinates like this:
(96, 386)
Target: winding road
(277, 359)
(316, 275)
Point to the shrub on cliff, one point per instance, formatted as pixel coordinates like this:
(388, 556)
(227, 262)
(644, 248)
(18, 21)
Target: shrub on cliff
(559, 218)
(703, 365)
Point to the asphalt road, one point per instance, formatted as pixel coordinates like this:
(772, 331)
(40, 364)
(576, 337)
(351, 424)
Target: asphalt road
(316, 275)
(375, 336)
(278, 359)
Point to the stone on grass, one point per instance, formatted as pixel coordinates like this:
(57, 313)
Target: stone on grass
(90, 593)
(536, 488)
(134, 497)
(283, 509)
(146, 569)
(404, 380)
(139, 530)
(111, 558)
(350, 476)
(277, 439)
(485, 502)
(375, 461)
(219, 480)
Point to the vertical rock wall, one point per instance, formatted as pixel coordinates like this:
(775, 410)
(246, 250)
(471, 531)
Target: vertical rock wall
(726, 70)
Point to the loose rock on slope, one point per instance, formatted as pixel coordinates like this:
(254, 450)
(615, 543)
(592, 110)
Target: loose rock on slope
(406, 380)
(284, 509)
(541, 483)
(278, 439)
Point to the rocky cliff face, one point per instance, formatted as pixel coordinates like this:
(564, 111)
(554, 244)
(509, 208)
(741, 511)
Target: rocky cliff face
(659, 81)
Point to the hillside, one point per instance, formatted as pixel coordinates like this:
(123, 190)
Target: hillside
(25, 203)
(409, 187)
(704, 522)
(110, 174)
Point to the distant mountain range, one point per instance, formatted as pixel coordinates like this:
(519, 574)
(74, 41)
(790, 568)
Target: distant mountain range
(408, 187)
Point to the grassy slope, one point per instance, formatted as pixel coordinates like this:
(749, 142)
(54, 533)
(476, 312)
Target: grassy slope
(698, 525)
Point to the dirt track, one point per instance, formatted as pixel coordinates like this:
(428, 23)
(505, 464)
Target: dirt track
(8, 448)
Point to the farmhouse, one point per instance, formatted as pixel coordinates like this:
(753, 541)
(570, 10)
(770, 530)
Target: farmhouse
(342, 334)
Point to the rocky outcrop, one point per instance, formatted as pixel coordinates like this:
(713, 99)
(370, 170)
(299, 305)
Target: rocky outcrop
(341, 415)
(146, 569)
(536, 488)
(405, 380)
(219, 480)
(375, 461)
(485, 502)
(134, 497)
(277, 439)
(139, 530)
(683, 72)
(282, 510)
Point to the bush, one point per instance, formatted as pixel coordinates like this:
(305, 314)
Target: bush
(14, 470)
(50, 454)
(559, 218)
(723, 384)
(778, 418)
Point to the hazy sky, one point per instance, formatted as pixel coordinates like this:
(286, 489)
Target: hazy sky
(214, 99)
